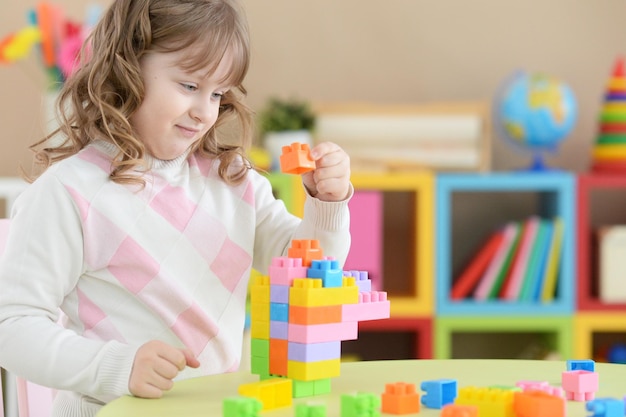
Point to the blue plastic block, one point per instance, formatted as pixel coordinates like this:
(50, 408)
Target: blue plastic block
(606, 407)
(279, 312)
(328, 271)
(439, 392)
(581, 365)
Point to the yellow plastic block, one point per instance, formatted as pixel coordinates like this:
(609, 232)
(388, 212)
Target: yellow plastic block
(309, 371)
(260, 290)
(308, 292)
(260, 311)
(259, 329)
(490, 401)
(273, 393)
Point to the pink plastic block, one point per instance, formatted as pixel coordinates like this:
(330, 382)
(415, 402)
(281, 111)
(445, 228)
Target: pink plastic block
(313, 352)
(542, 386)
(284, 270)
(361, 279)
(580, 385)
(372, 306)
(366, 228)
(317, 333)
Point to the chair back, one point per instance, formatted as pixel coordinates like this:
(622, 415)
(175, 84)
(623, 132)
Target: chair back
(32, 400)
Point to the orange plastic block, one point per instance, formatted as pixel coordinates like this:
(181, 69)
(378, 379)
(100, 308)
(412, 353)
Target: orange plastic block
(400, 398)
(538, 404)
(454, 410)
(273, 393)
(296, 159)
(314, 315)
(278, 356)
(306, 249)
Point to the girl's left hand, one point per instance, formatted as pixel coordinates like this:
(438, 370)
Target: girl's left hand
(330, 181)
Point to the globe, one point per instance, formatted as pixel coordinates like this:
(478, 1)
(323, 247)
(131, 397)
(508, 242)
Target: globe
(535, 112)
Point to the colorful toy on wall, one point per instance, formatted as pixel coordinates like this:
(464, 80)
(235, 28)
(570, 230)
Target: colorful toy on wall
(609, 152)
(535, 112)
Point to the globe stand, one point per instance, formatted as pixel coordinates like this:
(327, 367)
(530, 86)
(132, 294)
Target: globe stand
(538, 163)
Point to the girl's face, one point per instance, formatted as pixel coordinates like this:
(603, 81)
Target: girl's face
(179, 107)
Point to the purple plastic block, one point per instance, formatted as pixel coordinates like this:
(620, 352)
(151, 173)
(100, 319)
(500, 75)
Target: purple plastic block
(360, 279)
(279, 330)
(313, 352)
(284, 270)
(279, 293)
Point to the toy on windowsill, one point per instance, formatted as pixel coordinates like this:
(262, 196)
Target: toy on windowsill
(535, 112)
(609, 152)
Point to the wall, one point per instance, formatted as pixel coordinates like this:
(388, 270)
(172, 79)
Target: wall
(395, 51)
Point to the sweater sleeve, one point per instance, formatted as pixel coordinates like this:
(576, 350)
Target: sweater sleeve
(41, 265)
(328, 222)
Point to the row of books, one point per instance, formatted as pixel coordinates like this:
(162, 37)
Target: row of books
(518, 262)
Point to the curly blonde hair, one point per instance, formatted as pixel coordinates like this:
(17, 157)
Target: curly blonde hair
(107, 88)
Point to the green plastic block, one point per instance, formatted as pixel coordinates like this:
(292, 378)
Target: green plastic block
(241, 407)
(311, 410)
(360, 404)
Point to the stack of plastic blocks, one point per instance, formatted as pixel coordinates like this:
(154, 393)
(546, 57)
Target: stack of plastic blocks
(302, 312)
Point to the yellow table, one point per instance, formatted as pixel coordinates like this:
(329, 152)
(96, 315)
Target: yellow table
(203, 396)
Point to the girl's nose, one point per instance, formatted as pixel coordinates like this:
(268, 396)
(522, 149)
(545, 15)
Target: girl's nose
(202, 110)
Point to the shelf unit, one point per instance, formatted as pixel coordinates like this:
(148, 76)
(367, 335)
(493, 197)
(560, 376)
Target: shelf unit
(593, 189)
(392, 225)
(594, 329)
(552, 333)
(548, 195)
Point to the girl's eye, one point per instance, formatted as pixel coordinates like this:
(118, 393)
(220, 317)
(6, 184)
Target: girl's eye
(218, 96)
(189, 87)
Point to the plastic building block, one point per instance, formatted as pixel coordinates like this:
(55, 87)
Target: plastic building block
(538, 404)
(360, 404)
(315, 315)
(542, 386)
(307, 250)
(438, 392)
(372, 306)
(279, 312)
(278, 357)
(310, 388)
(279, 293)
(260, 311)
(309, 371)
(579, 385)
(259, 329)
(279, 330)
(260, 348)
(606, 407)
(313, 352)
(400, 398)
(490, 401)
(454, 410)
(260, 366)
(283, 270)
(583, 364)
(311, 410)
(241, 407)
(273, 393)
(361, 279)
(328, 271)
(317, 333)
(308, 292)
(260, 290)
(296, 159)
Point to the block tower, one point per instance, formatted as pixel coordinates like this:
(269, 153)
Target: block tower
(302, 311)
(609, 152)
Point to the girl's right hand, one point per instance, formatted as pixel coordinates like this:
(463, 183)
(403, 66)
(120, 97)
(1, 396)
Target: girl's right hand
(156, 365)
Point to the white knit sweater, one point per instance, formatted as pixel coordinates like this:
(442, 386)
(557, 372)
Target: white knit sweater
(125, 266)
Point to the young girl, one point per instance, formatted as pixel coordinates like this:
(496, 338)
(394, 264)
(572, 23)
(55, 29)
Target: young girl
(144, 226)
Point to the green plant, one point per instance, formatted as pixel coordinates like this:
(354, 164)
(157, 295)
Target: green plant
(285, 114)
